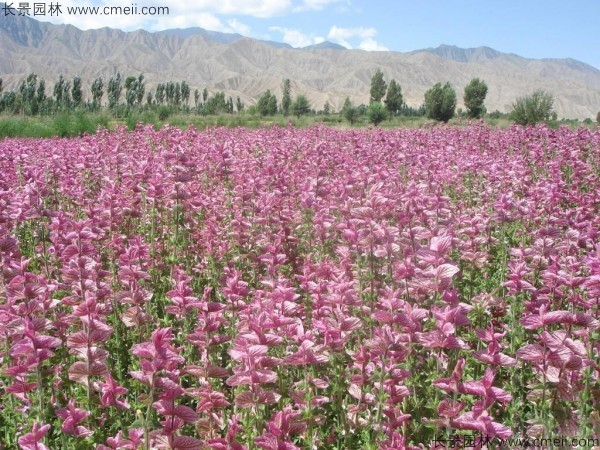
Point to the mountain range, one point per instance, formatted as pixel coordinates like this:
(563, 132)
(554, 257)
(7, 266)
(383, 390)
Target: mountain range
(246, 67)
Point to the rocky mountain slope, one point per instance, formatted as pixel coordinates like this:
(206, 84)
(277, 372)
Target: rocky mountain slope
(247, 67)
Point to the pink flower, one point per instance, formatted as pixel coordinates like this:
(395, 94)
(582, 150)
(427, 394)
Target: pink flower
(31, 440)
(72, 417)
(110, 393)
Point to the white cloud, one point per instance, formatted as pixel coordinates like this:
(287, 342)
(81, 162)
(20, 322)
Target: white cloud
(239, 27)
(297, 38)
(254, 8)
(178, 17)
(364, 35)
(371, 45)
(203, 13)
(344, 33)
(316, 5)
(204, 20)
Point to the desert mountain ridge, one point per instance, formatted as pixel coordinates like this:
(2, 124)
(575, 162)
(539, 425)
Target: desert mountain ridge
(246, 67)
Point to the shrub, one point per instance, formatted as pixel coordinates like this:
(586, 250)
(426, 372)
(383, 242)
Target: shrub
(163, 112)
(349, 111)
(474, 97)
(376, 113)
(440, 102)
(300, 106)
(533, 109)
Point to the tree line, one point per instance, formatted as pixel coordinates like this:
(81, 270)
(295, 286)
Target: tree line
(440, 103)
(386, 100)
(122, 95)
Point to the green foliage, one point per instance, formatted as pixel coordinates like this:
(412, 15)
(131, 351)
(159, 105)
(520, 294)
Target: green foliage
(349, 111)
(58, 90)
(376, 113)
(114, 91)
(239, 104)
(160, 93)
(29, 98)
(440, 102)
(301, 106)
(62, 93)
(77, 92)
(163, 112)
(598, 118)
(533, 109)
(24, 127)
(474, 97)
(378, 86)
(216, 104)
(286, 98)
(65, 124)
(267, 104)
(185, 92)
(97, 92)
(68, 124)
(496, 115)
(394, 99)
(8, 102)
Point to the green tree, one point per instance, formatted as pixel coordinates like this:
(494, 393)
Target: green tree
(327, 108)
(41, 92)
(1, 86)
(97, 92)
(177, 94)
(67, 101)
(597, 116)
(160, 93)
(8, 101)
(267, 104)
(378, 86)
(532, 109)
(140, 89)
(28, 95)
(474, 97)
(286, 98)
(77, 92)
(301, 106)
(394, 99)
(130, 90)
(58, 91)
(170, 92)
(205, 95)
(113, 91)
(216, 104)
(349, 111)
(196, 97)
(185, 92)
(440, 102)
(376, 113)
(239, 104)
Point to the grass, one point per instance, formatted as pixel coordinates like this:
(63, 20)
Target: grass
(77, 123)
(66, 124)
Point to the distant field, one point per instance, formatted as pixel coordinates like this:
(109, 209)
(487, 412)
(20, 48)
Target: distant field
(71, 124)
(299, 288)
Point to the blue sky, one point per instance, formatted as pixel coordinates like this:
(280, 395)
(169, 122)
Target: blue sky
(530, 28)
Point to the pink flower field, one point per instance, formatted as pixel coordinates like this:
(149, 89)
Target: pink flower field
(289, 288)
